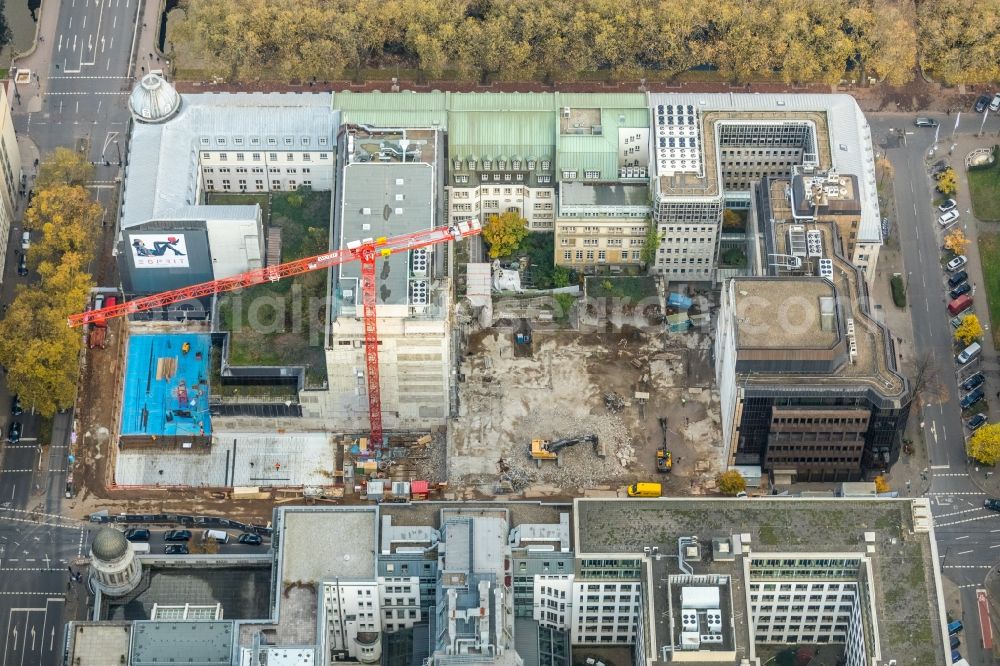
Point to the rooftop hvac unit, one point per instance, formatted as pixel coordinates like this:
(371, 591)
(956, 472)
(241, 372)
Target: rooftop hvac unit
(418, 292)
(690, 641)
(689, 620)
(418, 262)
(711, 638)
(814, 242)
(700, 597)
(826, 268)
(713, 619)
(797, 241)
(850, 326)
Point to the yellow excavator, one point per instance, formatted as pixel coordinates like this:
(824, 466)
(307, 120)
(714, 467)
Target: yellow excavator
(664, 460)
(543, 449)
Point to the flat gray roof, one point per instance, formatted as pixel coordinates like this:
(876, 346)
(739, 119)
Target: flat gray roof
(902, 561)
(161, 177)
(386, 199)
(99, 643)
(191, 643)
(604, 194)
(323, 544)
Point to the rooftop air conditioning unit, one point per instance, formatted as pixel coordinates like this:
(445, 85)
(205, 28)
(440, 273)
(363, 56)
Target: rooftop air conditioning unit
(565, 112)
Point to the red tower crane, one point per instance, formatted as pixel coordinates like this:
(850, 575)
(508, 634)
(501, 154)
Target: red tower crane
(366, 251)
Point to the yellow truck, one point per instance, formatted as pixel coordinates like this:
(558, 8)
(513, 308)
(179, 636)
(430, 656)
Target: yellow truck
(645, 490)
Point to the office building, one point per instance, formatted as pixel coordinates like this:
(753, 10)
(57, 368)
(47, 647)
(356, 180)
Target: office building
(807, 378)
(12, 178)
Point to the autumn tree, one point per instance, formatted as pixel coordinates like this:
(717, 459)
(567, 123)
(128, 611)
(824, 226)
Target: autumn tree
(884, 169)
(731, 220)
(969, 330)
(504, 233)
(956, 241)
(959, 40)
(731, 482)
(947, 182)
(984, 445)
(883, 34)
(881, 484)
(64, 167)
(38, 348)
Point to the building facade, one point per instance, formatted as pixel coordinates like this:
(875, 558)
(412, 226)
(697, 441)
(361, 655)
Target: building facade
(11, 175)
(808, 383)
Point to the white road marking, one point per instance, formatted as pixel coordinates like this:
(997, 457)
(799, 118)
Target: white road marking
(965, 552)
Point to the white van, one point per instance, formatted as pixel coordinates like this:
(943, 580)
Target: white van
(969, 353)
(140, 548)
(219, 536)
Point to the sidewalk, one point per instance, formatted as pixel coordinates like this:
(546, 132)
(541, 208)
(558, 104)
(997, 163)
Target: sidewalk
(147, 55)
(907, 476)
(38, 59)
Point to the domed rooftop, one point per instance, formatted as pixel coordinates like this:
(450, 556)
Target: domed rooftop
(153, 100)
(108, 545)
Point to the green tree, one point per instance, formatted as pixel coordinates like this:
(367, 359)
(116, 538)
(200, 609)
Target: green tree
(651, 244)
(947, 183)
(984, 445)
(560, 276)
(5, 33)
(730, 482)
(64, 167)
(504, 233)
(969, 330)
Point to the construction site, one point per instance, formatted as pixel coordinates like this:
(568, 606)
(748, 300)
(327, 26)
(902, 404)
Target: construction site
(615, 385)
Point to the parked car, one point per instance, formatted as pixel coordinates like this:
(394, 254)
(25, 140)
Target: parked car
(922, 121)
(992, 504)
(975, 381)
(939, 167)
(976, 422)
(14, 432)
(177, 535)
(954, 641)
(982, 103)
(995, 104)
(26, 241)
(137, 534)
(957, 279)
(949, 204)
(960, 289)
(22, 265)
(948, 218)
(175, 549)
(956, 626)
(250, 539)
(957, 263)
(972, 398)
(956, 656)
(16, 408)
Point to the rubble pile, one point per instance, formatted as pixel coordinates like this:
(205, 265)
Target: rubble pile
(579, 466)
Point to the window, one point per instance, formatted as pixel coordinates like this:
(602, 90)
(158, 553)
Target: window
(458, 164)
(220, 141)
(271, 141)
(545, 179)
(256, 157)
(305, 141)
(487, 165)
(289, 157)
(272, 156)
(254, 141)
(591, 174)
(579, 257)
(209, 170)
(461, 179)
(205, 141)
(305, 170)
(223, 157)
(292, 170)
(501, 164)
(322, 142)
(531, 165)
(569, 175)
(289, 141)
(324, 156)
(601, 256)
(238, 140)
(516, 165)
(306, 157)
(546, 165)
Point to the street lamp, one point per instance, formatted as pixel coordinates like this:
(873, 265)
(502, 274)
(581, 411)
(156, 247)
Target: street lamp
(119, 149)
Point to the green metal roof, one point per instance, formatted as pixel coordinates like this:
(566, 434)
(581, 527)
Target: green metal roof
(402, 109)
(599, 152)
(501, 134)
(501, 102)
(603, 100)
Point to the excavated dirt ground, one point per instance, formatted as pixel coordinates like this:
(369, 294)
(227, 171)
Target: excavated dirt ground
(507, 399)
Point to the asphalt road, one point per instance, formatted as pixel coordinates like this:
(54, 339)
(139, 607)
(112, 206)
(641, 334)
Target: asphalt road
(157, 542)
(968, 535)
(78, 100)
